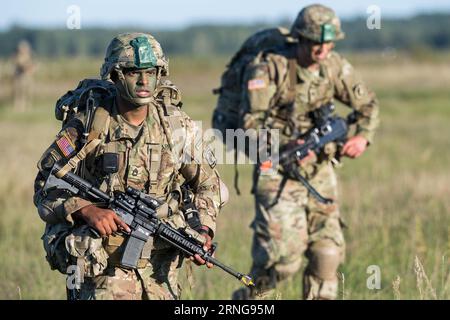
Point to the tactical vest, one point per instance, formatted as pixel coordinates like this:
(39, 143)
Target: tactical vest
(151, 164)
(295, 99)
(312, 92)
(136, 161)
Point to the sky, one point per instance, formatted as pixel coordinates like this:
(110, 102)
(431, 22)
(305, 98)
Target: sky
(173, 14)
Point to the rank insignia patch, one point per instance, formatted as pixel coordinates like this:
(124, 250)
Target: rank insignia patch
(256, 84)
(65, 145)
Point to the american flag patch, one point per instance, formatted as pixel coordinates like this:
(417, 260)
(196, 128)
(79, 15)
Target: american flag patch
(65, 145)
(256, 84)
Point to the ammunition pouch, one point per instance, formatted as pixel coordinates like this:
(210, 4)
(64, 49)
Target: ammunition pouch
(86, 249)
(66, 245)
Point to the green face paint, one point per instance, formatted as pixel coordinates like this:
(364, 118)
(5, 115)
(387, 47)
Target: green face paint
(138, 85)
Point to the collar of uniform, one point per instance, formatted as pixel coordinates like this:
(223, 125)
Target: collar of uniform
(119, 129)
(152, 128)
(307, 76)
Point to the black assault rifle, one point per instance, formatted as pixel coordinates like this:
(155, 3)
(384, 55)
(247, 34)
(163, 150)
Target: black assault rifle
(139, 211)
(327, 128)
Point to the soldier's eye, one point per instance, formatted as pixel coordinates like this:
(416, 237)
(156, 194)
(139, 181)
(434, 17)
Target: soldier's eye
(132, 73)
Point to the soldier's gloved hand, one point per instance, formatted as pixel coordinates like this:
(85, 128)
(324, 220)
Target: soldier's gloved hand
(354, 147)
(207, 246)
(105, 221)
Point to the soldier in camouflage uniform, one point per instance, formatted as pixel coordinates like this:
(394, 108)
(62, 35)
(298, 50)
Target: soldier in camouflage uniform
(154, 140)
(298, 224)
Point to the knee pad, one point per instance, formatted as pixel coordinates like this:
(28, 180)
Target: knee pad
(324, 259)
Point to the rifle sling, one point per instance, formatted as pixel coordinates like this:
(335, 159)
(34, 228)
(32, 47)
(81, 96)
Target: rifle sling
(73, 162)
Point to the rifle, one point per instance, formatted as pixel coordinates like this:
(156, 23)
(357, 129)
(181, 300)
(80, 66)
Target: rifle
(139, 211)
(327, 128)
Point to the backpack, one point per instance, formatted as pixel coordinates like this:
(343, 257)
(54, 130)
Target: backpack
(75, 101)
(229, 111)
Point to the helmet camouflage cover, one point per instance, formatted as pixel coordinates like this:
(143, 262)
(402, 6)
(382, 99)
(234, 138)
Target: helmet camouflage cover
(318, 23)
(134, 50)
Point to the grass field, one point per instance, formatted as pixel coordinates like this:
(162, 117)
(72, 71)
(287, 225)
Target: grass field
(394, 199)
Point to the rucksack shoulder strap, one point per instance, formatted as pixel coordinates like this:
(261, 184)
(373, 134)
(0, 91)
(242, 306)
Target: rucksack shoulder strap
(168, 103)
(284, 73)
(100, 123)
(99, 130)
(292, 70)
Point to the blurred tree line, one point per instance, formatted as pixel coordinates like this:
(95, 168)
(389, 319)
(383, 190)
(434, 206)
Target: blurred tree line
(422, 32)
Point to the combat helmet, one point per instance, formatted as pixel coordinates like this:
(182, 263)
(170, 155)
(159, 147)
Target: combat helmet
(133, 50)
(317, 23)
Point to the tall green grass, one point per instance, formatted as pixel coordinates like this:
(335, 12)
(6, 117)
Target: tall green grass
(394, 199)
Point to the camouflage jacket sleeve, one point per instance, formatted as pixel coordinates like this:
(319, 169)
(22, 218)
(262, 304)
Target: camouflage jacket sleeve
(352, 91)
(198, 168)
(262, 80)
(54, 205)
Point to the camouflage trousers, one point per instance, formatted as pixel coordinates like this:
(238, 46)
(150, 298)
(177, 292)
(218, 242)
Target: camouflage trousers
(296, 225)
(157, 281)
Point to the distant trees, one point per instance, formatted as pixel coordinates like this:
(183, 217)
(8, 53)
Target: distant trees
(420, 32)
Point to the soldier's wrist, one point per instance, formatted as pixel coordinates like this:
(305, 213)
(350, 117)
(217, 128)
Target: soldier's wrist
(366, 134)
(83, 212)
(206, 230)
(208, 222)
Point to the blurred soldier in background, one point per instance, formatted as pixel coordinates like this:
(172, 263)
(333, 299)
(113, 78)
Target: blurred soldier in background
(300, 77)
(22, 77)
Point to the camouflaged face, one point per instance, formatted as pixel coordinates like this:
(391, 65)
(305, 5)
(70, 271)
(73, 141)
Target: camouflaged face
(134, 50)
(317, 23)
